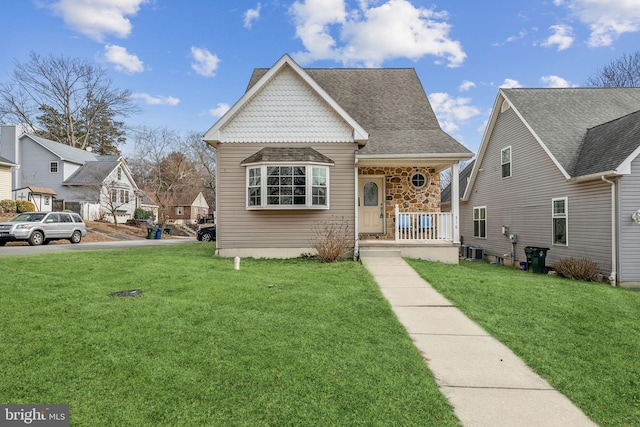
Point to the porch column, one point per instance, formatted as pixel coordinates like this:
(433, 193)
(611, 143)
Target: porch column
(455, 202)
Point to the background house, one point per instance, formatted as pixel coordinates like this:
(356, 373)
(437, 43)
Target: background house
(84, 182)
(559, 168)
(303, 147)
(187, 208)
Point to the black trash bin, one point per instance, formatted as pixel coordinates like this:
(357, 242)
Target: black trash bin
(149, 233)
(536, 258)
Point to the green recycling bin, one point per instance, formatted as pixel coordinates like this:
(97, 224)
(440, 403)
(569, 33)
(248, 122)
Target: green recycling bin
(149, 233)
(536, 258)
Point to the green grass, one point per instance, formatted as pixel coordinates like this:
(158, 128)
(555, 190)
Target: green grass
(291, 342)
(584, 338)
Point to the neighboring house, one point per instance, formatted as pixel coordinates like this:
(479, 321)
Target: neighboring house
(187, 209)
(85, 182)
(559, 169)
(42, 198)
(6, 166)
(463, 179)
(303, 147)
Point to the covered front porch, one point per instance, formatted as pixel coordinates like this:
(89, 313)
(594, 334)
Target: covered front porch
(398, 211)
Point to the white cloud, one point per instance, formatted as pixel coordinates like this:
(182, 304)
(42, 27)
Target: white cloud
(451, 112)
(371, 35)
(510, 84)
(252, 15)
(204, 62)
(98, 19)
(607, 19)
(511, 39)
(219, 110)
(562, 37)
(156, 100)
(122, 60)
(466, 85)
(555, 81)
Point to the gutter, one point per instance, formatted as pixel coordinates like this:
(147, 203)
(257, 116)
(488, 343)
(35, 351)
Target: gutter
(614, 243)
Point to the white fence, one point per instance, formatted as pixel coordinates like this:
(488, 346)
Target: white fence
(423, 226)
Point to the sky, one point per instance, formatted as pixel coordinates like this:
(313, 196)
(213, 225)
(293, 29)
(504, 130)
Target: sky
(186, 62)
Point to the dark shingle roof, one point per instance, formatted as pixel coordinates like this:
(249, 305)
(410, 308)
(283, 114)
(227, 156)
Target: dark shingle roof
(65, 152)
(463, 179)
(606, 146)
(287, 154)
(93, 173)
(390, 104)
(562, 117)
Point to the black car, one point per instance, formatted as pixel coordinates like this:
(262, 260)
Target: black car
(206, 234)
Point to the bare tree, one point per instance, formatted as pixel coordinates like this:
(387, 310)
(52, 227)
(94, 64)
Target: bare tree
(68, 100)
(113, 197)
(204, 160)
(168, 166)
(445, 175)
(621, 72)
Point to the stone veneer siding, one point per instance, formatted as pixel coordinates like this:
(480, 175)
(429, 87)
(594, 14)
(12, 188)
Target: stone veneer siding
(399, 191)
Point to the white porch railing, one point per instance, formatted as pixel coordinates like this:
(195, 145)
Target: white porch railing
(423, 226)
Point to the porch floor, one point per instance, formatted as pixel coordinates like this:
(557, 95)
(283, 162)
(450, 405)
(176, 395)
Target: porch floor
(431, 250)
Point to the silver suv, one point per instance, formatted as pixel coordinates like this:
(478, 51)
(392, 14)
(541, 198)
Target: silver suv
(39, 228)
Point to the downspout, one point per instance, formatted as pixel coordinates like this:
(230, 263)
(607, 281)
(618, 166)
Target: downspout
(356, 248)
(614, 241)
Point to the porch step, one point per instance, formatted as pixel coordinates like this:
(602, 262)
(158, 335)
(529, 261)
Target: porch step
(380, 252)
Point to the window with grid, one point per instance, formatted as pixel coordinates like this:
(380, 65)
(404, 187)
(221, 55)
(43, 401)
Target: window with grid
(559, 218)
(480, 222)
(506, 162)
(288, 186)
(53, 167)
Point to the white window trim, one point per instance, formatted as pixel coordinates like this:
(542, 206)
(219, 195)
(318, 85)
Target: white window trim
(57, 167)
(486, 219)
(510, 162)
(566, 221)
(308, 183)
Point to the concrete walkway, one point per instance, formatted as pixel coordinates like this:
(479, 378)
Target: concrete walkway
(486, 383)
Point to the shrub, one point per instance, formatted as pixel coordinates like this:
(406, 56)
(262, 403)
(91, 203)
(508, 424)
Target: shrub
(25, 206)
(332, 239)
(8, 206)
(140, 213)
(576, 268)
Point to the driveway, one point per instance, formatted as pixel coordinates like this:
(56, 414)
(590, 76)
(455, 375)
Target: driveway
(68, 247)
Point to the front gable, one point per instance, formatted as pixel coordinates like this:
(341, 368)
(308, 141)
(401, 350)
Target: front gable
(286, 105)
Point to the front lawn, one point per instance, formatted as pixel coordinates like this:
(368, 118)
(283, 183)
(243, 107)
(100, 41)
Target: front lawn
(584, 338)
(291, 342)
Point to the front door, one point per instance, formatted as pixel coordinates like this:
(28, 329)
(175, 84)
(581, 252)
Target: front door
(371, 204)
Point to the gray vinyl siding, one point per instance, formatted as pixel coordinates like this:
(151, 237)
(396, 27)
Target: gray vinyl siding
(240, 228)
(523, 202)
(629, 255)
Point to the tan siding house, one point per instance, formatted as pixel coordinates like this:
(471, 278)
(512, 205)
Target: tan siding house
(5, 178)
(305, 146)
(557, 168)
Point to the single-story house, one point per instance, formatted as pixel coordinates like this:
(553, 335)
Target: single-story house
(559, 169)
(187, 208)
(305, 147)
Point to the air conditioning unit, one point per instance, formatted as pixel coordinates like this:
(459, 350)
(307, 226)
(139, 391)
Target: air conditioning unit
(464, 251)
(475, 253)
